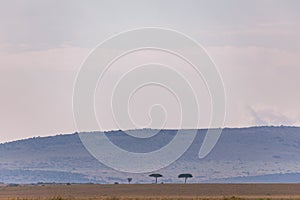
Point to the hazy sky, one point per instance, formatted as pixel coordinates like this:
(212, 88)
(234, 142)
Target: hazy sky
(255, 45)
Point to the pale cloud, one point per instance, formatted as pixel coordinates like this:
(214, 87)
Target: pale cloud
(258, 76)
(252, 56)
(63, 58)
(255, 45)
(269, 116)
(36, 91)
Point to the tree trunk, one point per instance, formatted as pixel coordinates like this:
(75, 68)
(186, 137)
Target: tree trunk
(185, 179)
(155, 180)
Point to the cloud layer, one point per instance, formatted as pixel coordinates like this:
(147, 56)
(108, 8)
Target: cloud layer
(255, 45)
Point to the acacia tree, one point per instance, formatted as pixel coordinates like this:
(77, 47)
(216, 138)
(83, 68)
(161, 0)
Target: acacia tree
(156, 176)
(185, 176)
(129, 180)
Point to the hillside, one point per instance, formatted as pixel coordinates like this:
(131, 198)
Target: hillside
(240, 152)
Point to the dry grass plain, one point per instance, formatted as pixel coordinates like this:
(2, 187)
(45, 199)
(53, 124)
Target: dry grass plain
(152, 191)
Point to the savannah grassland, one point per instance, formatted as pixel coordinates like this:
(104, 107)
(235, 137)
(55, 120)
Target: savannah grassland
(151, 191)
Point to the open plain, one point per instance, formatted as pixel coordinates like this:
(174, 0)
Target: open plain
(152, 191)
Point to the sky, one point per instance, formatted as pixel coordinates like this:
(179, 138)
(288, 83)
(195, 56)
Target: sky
(254, 44)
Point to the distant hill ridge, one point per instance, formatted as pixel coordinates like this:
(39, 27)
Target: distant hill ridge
(146, 129)
(240, 152)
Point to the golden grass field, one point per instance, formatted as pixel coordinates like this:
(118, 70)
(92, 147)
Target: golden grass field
(152, 191)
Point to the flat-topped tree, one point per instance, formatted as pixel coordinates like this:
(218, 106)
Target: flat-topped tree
(156, 176)
(129, 180)
(185, 176)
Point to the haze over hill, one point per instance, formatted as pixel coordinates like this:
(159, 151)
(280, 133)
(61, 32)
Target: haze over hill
(256, 154)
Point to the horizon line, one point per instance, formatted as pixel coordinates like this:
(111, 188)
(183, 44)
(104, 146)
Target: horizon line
(166, 129)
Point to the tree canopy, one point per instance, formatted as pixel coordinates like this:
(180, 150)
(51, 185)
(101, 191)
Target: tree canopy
(185, 176)
(156, 176)
(129, 180)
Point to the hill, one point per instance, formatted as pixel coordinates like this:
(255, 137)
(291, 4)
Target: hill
(240, 152)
